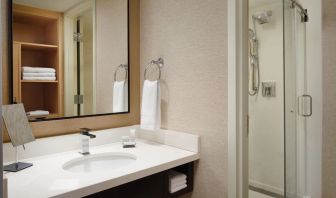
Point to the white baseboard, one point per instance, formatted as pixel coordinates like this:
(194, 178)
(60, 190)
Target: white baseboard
(267, 187)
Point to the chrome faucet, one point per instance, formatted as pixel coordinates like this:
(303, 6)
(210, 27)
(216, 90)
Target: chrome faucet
(85, 141)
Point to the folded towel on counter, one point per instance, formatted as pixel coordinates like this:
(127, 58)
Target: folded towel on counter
(151, 106)
(38, 113)
(120, 96)
(39, 78)
(173, 190)
(50, 74)
(37, 69)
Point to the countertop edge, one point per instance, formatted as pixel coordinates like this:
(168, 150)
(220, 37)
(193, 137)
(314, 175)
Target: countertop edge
(81, 192)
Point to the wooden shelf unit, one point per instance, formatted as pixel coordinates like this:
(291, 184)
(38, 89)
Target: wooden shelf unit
(38, 42)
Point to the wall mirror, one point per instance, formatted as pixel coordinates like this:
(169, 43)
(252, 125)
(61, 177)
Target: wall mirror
(69, 58)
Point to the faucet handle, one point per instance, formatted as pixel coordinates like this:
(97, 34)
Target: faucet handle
(85, 129)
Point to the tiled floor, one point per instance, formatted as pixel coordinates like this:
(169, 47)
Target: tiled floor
(253, 194)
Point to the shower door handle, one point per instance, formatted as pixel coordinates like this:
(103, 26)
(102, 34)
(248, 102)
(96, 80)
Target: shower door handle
(305, 105)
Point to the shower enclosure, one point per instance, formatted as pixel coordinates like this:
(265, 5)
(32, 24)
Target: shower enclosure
(280, 104)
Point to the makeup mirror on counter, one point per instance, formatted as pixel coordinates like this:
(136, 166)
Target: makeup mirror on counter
(20, 133)
(69, 58)
(16, 123)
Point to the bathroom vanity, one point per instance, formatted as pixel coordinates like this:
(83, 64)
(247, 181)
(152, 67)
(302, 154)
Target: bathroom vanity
(110, 170)
(82, 69)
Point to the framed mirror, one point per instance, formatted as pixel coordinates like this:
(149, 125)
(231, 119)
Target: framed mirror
(69, 58)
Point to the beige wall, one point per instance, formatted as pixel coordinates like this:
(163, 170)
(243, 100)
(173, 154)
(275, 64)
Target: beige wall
(191, 36)
(329, 98)
(111, 48)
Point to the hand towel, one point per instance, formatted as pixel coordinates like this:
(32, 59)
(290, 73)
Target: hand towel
(172, 190)
(175, 176)
(177, 184)
(38, 113)
(37, 69)
(39, 78)
(151, 106)
(120, 96)
(50, 74)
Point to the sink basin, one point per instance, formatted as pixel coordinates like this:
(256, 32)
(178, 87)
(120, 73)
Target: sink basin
(99, 162)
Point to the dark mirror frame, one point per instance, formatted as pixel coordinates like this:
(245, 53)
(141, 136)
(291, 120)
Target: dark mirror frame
(10, 65)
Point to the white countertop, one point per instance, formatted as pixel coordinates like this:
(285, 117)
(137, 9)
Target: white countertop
(46, 178)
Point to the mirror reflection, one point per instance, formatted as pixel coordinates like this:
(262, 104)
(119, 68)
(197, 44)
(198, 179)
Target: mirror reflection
(70, 57)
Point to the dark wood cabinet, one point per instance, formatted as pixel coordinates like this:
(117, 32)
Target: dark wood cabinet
(153, 186)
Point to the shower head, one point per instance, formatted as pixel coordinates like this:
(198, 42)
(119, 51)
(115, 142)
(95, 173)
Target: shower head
(262, 17)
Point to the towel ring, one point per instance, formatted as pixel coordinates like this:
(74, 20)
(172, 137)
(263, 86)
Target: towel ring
(121, 66)
(159, 64)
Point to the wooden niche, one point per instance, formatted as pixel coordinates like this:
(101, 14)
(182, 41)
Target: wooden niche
(38, 42)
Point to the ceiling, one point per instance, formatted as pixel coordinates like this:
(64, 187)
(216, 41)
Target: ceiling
(54, 5)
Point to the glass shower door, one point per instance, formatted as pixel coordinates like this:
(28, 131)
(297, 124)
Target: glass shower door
(297, 101)
(279, 105)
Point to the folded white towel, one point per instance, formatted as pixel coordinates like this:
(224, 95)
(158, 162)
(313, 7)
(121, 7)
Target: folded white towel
(120, 96)
(50, 74)
(39, 78)
(175, 176)
(38, 113)
(177, 184)
(172, 190)
(151, 106)
(37, 69)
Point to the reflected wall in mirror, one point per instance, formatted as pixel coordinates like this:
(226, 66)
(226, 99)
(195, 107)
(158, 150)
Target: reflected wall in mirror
(70, 57)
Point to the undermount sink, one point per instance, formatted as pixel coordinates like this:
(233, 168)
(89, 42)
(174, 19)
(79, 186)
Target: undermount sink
(99, 162)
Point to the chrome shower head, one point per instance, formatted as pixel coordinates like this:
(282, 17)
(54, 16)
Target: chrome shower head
(262, 17)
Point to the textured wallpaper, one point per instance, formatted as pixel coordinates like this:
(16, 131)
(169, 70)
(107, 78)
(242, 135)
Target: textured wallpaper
(191, 36)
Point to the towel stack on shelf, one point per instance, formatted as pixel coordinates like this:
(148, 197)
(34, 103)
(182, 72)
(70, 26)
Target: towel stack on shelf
(38, 73)
(177, 181)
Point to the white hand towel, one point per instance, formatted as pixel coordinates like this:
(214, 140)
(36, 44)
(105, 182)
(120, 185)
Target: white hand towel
(120, 96)
(175, 176)
(37, 69)
(50, 74)
(172, 190)
(151, 106)
(39, 78)
(38, 113)
(177, 184)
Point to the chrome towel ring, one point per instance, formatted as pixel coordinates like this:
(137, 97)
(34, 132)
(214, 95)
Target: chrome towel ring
(121, 66)
(159, 63)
